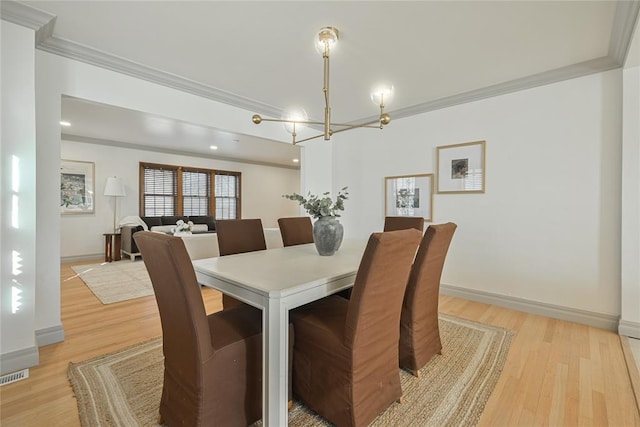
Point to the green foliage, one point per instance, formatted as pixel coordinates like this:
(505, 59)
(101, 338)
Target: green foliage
(319, 206)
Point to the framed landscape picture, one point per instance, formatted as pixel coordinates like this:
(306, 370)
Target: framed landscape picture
(409, 195)
(461, 168)
(76, 187)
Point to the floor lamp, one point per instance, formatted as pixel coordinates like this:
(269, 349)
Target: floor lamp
(115, 188)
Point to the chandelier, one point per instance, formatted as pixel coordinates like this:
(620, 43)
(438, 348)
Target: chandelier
(327, 37)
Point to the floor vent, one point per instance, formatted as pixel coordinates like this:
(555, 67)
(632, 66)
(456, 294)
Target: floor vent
(14, 376)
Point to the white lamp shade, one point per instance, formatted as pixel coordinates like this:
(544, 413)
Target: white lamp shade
(114, 187)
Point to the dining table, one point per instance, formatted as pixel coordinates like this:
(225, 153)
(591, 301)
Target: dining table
(276, 281)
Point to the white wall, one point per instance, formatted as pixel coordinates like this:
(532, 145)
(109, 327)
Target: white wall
(630, 316)
(18, 182)
(548, 227)
(316, 160)
(262, 190)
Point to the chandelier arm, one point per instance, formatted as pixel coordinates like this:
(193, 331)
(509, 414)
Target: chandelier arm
(356, 125)
(347, 127)
(309, 139)
(325, 89)
(360, 125)
(300, 122)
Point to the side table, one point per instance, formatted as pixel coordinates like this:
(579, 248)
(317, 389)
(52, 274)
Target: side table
(111, 247)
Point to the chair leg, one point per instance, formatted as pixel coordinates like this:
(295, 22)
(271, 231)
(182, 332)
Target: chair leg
(290, 405)
(400, 399)
(160, 420)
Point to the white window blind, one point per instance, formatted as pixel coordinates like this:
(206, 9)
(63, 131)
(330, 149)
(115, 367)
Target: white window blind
(160, 191)
(227, 195)
(196, 191)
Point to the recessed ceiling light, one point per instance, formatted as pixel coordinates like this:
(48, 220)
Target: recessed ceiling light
(63, 123)
(296, 160)
(213, 147)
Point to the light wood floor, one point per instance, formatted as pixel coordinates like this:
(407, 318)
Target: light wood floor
(557, 373)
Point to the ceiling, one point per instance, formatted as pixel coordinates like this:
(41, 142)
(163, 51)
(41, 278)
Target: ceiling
(115, 126)
(259, 55)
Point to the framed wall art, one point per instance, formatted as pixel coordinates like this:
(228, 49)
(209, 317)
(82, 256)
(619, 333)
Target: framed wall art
(77, 187)
(409, 195)
(461, 168)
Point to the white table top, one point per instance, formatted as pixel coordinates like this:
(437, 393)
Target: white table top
(276, 273)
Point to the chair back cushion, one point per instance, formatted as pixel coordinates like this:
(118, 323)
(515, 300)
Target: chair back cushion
(296, 230)
(237, 236)
(185, 329)
(393, 223)
(378, 290)
(419, 318)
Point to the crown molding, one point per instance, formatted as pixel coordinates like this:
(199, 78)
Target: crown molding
(105, 60)
(624, 22)
(604, 63)
(24, 15)
(27, 16)
(89, 55)
(626, 14)
(132, 146)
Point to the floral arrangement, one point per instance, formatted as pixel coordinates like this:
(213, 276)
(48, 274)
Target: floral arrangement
(319, 206)
(183, 226)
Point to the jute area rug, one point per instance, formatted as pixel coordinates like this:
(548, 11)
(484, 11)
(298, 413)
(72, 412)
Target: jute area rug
(124, 388)
(116, 281)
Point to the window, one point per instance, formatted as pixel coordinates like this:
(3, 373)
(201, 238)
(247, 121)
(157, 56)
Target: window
(160, 184)
(175, 190)
(227, 195)
(196, 192)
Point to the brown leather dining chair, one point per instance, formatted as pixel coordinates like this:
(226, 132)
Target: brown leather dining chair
(296, 230)
(237, 236)
(393, 223)
(419, 331)
(345, 360)
(212, 363)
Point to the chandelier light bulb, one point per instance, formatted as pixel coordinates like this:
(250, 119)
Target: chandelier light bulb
(382, 94)
(294, 115)
(326, 38)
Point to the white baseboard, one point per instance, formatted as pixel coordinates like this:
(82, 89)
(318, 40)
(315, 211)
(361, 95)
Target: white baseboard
(81, 258)
(590, 318)
(30, 357)
(629, 329)
(50, 335)
(17, 360)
